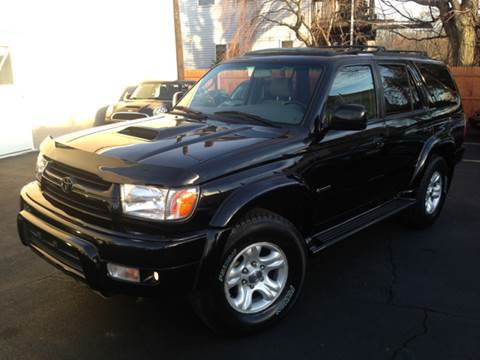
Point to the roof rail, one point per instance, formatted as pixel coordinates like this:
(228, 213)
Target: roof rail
(350, 49)
(356, 49)
(337, 50)
(407, 52)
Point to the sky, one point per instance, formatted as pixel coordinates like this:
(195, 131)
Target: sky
(409, 7)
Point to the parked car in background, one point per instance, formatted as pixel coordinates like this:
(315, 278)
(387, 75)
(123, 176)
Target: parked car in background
(270, 158)
(149, 98)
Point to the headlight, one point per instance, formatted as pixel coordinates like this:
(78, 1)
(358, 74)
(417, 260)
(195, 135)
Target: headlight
(40, 166)
(109, 111)
(160, 110)
(155, 203)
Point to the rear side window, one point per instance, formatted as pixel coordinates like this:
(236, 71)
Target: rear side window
(439, 84)
(353, 85)
(399, 90)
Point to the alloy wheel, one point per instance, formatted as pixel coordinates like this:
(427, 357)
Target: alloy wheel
(256, 277)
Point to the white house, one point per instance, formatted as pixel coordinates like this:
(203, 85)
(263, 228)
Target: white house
(207, 32)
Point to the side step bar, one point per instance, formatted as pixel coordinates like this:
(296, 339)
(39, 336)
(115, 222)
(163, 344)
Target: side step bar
(339, 232)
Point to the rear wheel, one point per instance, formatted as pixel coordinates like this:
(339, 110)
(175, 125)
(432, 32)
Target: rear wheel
(430, 195)
(258, 277)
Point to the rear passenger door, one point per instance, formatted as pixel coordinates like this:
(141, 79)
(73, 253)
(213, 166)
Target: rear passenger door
(405, 115)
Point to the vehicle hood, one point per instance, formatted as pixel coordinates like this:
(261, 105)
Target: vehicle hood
(169, 150)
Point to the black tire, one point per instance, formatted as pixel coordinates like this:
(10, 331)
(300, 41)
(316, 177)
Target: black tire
(100, 116)
(417, 215)
(211, 302)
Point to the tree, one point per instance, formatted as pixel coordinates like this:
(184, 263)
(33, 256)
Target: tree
(317, 23)
(314, 23)
(459, 22)
(241, 25)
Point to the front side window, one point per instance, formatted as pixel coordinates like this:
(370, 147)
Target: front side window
(275, 92)
(439, 84)
(353, 85)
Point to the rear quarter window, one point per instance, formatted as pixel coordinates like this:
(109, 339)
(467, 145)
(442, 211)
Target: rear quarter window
(439, 84)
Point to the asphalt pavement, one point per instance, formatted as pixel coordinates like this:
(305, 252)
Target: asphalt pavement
(386, 293)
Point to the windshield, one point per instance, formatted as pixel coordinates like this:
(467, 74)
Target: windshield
(275, 92)
(156, 90)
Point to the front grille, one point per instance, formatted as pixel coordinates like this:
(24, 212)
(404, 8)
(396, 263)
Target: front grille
(128, 116)
(54, 247)
(88, 196)
(82, 177)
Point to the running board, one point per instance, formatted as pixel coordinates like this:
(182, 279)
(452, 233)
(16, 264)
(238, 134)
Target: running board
(339, 232)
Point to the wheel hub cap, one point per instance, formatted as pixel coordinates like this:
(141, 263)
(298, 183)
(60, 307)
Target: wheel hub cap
(256, 277)
(434, 193)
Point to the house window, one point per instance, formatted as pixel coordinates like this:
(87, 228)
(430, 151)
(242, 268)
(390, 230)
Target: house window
(220, 52)
(206, 2)
(6, 74)
(287, 44)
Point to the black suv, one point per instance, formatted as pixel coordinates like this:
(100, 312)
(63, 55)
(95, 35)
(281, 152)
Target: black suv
(226, 197)
(148, 98)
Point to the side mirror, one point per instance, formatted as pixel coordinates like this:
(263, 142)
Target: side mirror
(348, 117)
(177, 97)
(127, 96)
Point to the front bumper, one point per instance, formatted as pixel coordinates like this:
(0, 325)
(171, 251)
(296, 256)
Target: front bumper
(83, 251)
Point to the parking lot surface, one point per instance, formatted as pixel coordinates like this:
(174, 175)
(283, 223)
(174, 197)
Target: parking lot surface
(385, 293)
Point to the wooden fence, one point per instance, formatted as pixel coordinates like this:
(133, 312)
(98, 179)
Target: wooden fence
(467, 78)
(194, 74)
(468, 82)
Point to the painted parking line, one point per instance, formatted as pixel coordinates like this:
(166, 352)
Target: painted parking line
(472, 143)
(471, 161)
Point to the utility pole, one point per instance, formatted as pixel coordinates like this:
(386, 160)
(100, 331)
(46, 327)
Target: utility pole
(178, 41)
(352, 21)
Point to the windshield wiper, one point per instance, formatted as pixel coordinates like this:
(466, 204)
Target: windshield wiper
(187, 110)
(247, 116)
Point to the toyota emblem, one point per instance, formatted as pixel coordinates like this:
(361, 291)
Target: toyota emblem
(67, 184)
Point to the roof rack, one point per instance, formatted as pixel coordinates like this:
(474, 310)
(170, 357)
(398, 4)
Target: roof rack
(337, 50)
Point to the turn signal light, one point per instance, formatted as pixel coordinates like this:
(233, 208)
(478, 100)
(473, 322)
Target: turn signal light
(124, 273)
(182, 203)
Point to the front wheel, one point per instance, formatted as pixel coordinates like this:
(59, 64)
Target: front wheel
(258, 277)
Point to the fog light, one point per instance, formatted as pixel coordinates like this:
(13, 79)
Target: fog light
(123, 272)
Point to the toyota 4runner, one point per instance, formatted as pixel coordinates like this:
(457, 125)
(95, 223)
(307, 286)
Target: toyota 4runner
(269, 158)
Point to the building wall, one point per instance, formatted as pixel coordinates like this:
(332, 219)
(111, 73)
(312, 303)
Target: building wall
(71, 58)
(203, 27)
